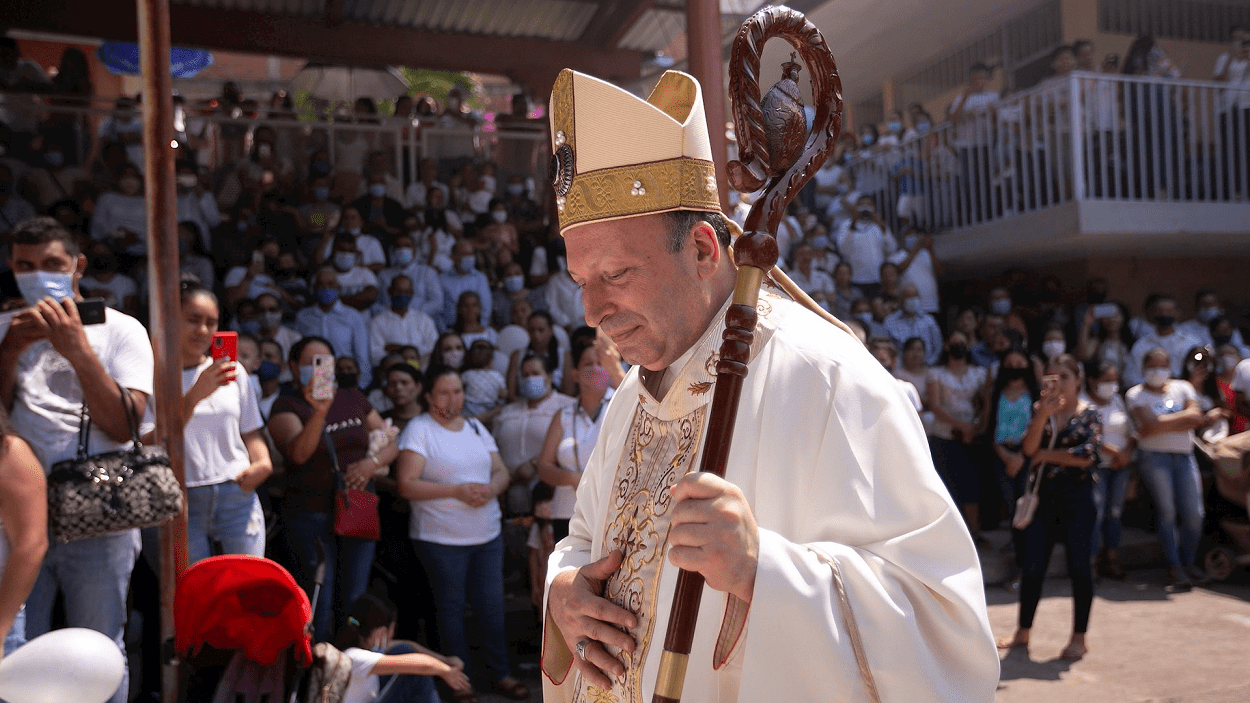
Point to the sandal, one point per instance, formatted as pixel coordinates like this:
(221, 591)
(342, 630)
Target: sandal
(1010, 643)
(511, 688)
(1074, 652)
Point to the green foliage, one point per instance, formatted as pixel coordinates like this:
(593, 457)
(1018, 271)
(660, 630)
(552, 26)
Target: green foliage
(437, 84)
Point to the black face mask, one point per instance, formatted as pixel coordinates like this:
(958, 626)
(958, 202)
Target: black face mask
(1009, 374)
(347, 380)
(1222, 339)
(103, 263)
(1164, 321)
(957, 351)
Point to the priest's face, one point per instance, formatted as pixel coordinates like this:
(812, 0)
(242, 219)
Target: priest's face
(651, 302)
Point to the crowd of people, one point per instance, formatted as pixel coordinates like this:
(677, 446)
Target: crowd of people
(470, 393)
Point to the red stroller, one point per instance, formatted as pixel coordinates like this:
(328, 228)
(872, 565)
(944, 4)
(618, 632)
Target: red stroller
(241, 625)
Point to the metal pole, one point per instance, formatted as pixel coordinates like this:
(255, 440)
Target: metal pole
(162, 241)
(703, 47)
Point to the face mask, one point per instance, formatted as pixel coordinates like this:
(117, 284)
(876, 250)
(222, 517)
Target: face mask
(820, 242)
(327, 296)
(267, 371)
(104, 263)
(923, 127)
(264, 150)
(1229, 361)
(1164, 321)
(354, 231)
(1106, 390)
(595, 379)
(271, 319)
(514, 283)
(344, 260)
(37, 285)
(1000, 306)
(1053, 348)
(499, 216)
(401, 301)
(402, 256)
(910, 242)
(1009, 374)
(54, 159)
(911, 306)
(895, 126)
(453, 358)
(533, 387)
(129, 185)
(321, 193)
(187, 180)
(377, 190)
(957, 351)
(515, 189)
(249, 326)
(1156, 377)
(1209, 313)
(305, 375)
(1222, 339)
(867, 140)
(319, 168)
(347, 380)
(465, 264)
(864, 317)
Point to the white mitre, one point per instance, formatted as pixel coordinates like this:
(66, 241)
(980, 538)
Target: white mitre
(616, 155)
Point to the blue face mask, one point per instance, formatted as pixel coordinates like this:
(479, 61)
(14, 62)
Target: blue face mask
(54, 159)
(321, 193)
(344, 260)
(37, 285)
(305, 375)
(910, 242)
(895, 126)
(268, 371)
(249, 326)
(402, 256)
(401, 301)
(533, 387)
(465, 264)
(1000, 306)
(327, 296)
(820, 243)
(514, 283)
(377, 190)
(867, 140)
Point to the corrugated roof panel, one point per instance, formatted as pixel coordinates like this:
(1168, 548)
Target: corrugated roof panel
(654, 30)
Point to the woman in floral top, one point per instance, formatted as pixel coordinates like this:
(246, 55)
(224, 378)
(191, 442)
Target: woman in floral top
(1065, 508)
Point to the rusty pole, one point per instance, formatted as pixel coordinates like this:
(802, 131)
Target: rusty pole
(164, 310)
(703, 49)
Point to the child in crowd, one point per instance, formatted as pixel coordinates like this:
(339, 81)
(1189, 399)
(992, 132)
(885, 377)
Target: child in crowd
(484, 388)
(391, 671)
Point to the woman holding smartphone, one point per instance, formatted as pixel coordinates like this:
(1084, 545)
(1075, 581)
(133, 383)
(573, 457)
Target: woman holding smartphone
(1061, 443)
(226, 456)
(305, 421)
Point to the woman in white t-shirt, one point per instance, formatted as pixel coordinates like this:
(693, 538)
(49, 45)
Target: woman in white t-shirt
(450, 470)
(368, 641)
(1165, 411)
(954, 393)
(226, 456)
(1102, 390)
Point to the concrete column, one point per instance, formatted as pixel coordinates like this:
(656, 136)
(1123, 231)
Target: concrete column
(703, 49)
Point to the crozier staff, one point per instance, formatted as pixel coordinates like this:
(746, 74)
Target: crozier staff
(817, 481)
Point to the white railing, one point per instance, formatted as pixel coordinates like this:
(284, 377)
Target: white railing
(218, 138)
(1088, 136)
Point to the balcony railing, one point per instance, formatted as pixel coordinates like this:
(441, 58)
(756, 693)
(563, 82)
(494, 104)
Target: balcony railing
(1088, 136)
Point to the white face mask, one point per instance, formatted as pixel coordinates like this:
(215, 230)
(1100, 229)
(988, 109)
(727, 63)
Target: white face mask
(402, 256)
(1229, 361)
(499, 216)
(1053, 347)
(1108, 389)
(1156, 377)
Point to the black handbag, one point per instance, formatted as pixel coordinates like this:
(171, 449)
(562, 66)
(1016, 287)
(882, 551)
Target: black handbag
(92, 495)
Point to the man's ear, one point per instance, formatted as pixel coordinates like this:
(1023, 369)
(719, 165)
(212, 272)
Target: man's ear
(80, 265)
(707, 248)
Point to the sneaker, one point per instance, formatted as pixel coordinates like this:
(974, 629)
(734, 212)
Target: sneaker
(1177, 581)
(1197, 575)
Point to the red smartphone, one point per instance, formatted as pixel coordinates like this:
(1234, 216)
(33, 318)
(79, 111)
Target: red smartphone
(225, 345)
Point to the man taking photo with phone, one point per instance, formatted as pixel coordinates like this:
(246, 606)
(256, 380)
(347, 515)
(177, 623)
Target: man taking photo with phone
(865, 243)
(52, 367)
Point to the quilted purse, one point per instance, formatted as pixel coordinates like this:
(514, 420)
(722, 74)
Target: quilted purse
(95, 494)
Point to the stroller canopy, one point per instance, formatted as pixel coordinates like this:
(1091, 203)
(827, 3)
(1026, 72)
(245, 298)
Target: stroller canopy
(244, 603)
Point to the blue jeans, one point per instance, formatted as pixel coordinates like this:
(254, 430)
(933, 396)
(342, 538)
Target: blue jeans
(94, 575)
(348, 561)
(224, 512)
(473, 573)
(1176, 488)
(407, 688)
(1109, 492)
(16, 636)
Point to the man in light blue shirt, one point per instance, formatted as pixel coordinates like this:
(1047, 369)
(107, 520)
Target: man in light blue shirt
(463, 277)
(340, 325)
(913, 321)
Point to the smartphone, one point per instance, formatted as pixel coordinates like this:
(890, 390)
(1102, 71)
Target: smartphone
(323, 377)
(1104, 310)
(1050, 384)
(258, 257)
(91, 311)
(225, 346)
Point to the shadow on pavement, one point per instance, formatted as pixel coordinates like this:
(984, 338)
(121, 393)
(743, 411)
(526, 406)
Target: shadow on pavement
(1018, 664)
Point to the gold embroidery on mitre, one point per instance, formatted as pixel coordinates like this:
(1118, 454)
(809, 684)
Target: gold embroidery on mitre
(562, 109)
(639, 189)
(656, 454)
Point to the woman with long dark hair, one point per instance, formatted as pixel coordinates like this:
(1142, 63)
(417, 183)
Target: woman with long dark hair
(1105, 337)
(543, 342)
(1011, 409)
(1062, 445)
